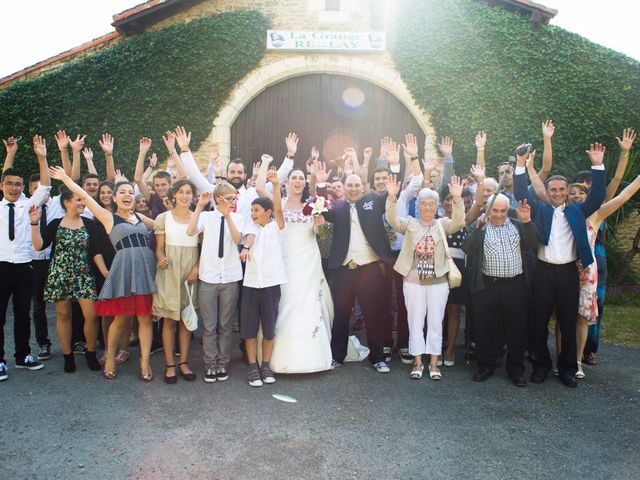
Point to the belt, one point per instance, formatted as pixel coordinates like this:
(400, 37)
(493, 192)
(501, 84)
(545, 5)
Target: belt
(557, 265)
(491, 279)
(133, 240)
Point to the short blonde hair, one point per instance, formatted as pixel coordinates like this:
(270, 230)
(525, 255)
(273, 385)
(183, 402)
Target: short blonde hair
(223, 189)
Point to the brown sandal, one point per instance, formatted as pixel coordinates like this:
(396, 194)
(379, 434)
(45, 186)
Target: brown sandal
(146, 375)
(187, 376)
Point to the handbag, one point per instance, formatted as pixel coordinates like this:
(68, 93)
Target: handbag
(188, 313)
(454, 276)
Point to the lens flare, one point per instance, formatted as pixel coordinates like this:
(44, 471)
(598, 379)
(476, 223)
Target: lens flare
(353, 97)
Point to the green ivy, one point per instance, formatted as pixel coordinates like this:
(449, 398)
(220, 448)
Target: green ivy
(476, 67)
(142, 86)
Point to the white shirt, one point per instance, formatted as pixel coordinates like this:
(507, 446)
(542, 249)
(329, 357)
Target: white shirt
(359, 249)
(561, 248)
(20, 249)
(402, 207)
(265, 267)
(213, 269)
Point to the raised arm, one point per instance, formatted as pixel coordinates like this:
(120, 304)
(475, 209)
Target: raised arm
(481, 142)
(106, 144)
(536, 182)
(223, 206)
(597, 191)
(610, 207)
(145, 144)
(548, 130)
(399, 224)
(76, 147)
(628, 137)
(203, 201)
(446, 149)
(393, 157)
(478, 202)
(272, 176)
(367, 153)
(410, 149)
(291, 142)
(11, 146)
(263, 176)
(87, 153)
(63, 145)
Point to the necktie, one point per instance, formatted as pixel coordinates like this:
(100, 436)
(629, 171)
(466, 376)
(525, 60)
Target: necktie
(221, 239)
(43, 220)
(12, 221)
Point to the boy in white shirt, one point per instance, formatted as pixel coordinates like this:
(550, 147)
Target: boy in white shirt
(220, 273)
(264, 273)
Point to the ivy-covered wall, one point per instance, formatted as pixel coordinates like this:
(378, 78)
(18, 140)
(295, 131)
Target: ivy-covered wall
(179, 75)
(476, 67)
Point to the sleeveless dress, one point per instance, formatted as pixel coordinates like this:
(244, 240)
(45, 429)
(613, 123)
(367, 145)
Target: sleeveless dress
(588, 306)
(302, 342)
(70, 274)
(130, 284)
(182, 251)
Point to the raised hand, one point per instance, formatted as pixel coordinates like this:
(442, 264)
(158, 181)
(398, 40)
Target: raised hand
(106, 144)
(385, 144)
(40, 146)
(169, 139)
(367, 153)
(628, 137)
(119, 177)
(266, 158)
(353, 155)
(153, 160)
(256, 169)
(530, 161)
(322, 176)
(524, 211)
(596, 153)
(429, 164)
(446, 147)
(481, 140)
(291, 141)
(272, 176)
(521, 160)
(410, 145)
(183, 138)
(145, 145)
(34, 214)
(393, 186)
(204, 199)
(548, 129)
(78, 144)
(61, 139)
(87, 153)
(315, 153)
(478, 173)
(455, 188)
(58, 173)
(393, 153)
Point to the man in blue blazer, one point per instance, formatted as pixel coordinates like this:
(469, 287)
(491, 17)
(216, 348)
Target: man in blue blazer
(359, 247)
(562, 232)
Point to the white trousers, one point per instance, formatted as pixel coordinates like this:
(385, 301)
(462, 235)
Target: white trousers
(429, 301)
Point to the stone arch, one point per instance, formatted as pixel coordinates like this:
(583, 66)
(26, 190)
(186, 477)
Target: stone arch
(263, 77)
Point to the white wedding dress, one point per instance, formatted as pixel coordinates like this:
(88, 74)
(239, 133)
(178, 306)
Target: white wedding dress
(303, 331)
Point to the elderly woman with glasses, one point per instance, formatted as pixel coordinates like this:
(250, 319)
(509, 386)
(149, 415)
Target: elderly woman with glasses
(422, 262)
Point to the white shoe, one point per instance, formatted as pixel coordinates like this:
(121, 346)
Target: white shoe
(580, 373)
(387, 353)
(4, 371)
(382, 367)
(416, 371)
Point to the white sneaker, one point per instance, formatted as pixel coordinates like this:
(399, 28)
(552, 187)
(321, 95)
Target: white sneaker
(405, 356)
(387, 353)
(4, 371)
(382, 367)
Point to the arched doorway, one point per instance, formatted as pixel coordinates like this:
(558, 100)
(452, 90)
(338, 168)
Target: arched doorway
(329, 111)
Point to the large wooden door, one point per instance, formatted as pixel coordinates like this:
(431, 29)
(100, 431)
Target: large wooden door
(331, 112)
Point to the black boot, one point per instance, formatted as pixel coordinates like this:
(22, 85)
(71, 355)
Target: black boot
(70, 363)
(92, 361)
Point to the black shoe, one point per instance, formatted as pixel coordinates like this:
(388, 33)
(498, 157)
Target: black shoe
(482, 374)
(29, 363)
(69, 363)
(221, 374)
(519, 381)
(538, 376)
(79, 348)
(568, 380)
(210, 375)
(92, 361)
(156, 346)
(44, 353)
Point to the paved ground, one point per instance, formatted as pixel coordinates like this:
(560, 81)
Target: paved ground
(349, 423)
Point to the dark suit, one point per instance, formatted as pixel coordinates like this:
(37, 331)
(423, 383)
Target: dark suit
(557, 286)
(365, 282)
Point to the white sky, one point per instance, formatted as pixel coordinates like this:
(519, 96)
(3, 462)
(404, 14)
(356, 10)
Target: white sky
(34, 30)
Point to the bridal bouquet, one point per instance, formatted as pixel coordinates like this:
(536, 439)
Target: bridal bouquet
(315, 206)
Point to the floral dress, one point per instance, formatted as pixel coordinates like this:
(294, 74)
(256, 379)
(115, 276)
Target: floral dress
(70, 274)
(588, 306)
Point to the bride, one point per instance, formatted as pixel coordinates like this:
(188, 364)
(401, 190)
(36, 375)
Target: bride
(303, 330)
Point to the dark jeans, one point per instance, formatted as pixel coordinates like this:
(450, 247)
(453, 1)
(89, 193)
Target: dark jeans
(40, 274)
(500, 313)
(16, 279)
(393, 287)
(364, 283)
(556, 287)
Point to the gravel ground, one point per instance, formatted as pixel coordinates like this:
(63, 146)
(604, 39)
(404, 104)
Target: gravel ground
(349, 423)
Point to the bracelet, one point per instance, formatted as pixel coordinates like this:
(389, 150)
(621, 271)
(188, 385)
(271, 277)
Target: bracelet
(244, 247)
(35, 224)
(290, 157)
(220, 177)
(173, 153)
(414, 158)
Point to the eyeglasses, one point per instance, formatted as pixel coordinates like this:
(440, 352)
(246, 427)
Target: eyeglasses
(13, 184)
(230, 199)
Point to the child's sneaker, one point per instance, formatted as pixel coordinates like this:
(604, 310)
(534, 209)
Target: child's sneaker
(267, 375)
(254, 378)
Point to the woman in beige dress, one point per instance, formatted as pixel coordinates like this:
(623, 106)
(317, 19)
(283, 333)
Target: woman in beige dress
(177, 255)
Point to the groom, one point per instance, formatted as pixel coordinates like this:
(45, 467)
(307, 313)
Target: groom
(359, 245)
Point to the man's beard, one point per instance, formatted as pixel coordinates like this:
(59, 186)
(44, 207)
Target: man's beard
(236, 183)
